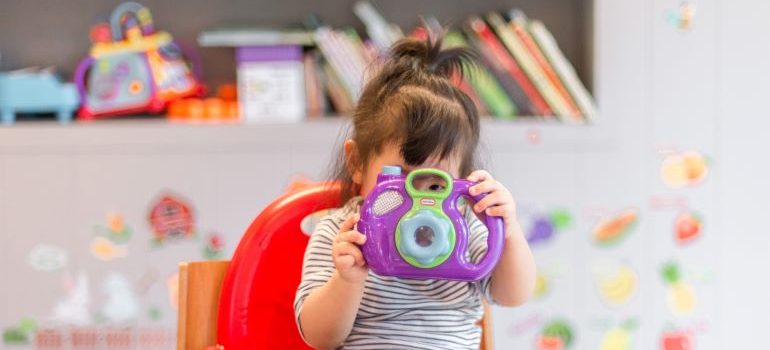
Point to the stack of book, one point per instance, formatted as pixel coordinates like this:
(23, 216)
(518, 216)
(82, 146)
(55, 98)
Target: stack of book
(521, 73)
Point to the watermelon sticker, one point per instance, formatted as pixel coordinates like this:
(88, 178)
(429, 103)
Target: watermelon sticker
(555, 335)
(171, 218)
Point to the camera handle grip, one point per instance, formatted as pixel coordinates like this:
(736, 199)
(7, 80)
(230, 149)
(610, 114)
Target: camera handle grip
(494, 224)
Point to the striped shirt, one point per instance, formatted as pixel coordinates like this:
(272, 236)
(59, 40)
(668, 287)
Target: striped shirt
(400, 313)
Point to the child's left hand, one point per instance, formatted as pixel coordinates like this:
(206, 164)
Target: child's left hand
(498, 202)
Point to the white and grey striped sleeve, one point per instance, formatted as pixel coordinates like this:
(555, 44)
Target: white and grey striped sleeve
(477, 248)
(317, 267)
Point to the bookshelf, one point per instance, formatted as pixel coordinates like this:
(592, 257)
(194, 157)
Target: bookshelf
(569, 21)
(62, 38)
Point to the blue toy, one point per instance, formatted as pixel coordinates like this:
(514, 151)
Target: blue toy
(36, 91)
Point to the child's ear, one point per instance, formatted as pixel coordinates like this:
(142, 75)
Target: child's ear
(352, 161)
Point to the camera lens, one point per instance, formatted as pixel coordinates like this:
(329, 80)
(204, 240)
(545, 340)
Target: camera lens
(424, 236)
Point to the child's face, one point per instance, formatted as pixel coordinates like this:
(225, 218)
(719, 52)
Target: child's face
(391, 155)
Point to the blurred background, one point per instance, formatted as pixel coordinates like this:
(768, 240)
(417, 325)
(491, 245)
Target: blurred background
(630, 133)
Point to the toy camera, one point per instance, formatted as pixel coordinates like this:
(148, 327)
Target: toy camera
(421, 233)
(131, 67)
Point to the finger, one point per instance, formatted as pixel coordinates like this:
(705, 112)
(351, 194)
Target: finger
(349, 249)
(479, 175)
(500, 210)
(349, 223)
(494, 198)
(352, 236)
(485, 186)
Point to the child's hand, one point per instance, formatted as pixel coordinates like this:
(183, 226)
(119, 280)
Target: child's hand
(498, 202)
(347, 257)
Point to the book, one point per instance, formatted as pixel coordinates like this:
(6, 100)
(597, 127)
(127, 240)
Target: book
(338, 96)
(314, 90)
(494, 97)
(530, 67)
(381, 33)
(363, 50)
(519, 23)
(345, 58)
(499, 74)
(520, 88)
(468, 90)
(563, 68)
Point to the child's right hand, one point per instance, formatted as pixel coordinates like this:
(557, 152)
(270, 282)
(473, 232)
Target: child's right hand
(346, 254)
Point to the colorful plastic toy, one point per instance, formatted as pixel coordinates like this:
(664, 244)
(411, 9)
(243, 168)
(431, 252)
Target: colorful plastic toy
(132, 68)
(415, 233)
(33, 91)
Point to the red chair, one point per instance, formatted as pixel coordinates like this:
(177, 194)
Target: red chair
(256, 308)
(252, 297)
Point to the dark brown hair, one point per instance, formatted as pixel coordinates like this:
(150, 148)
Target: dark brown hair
(413, 100)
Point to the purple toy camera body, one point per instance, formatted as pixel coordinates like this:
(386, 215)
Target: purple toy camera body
(413, 233)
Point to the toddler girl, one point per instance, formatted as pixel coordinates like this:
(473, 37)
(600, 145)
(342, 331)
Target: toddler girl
(412, 115)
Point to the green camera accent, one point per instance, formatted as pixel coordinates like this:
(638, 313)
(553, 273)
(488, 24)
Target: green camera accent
(436, 209)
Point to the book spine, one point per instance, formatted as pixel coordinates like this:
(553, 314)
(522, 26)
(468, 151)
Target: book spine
(380, 31)
(464, 86)
(490, 92)
(498, 101)
(501, 55)
(323, 103)
(529, 66)
(316, 105)
(564, 69)
(347, 68)
(310, 87)
(519, 24)
(499, 74)
(329, 43)
(358, 51)
(340, 99)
